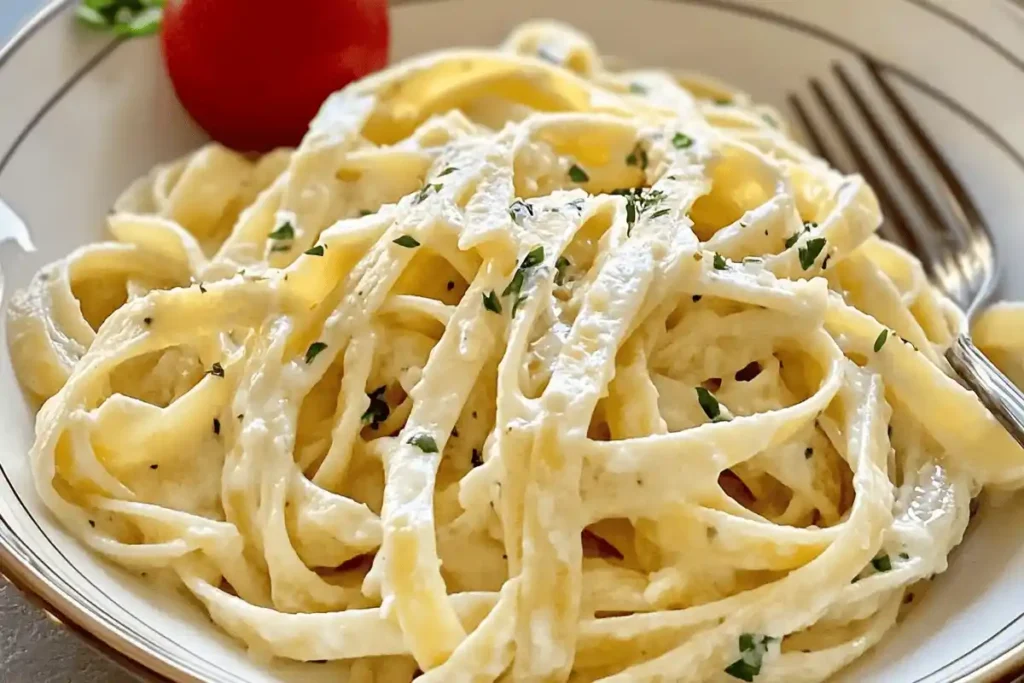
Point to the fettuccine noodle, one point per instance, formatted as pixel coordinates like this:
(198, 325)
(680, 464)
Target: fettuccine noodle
(516, 369)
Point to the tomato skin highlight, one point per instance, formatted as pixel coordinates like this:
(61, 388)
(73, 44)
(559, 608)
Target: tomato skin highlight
(253, 73)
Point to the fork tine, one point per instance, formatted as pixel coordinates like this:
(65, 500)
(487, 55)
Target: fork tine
(896, 218)
(889, 147)
(961, 203)
(817, 144)
(966, 204)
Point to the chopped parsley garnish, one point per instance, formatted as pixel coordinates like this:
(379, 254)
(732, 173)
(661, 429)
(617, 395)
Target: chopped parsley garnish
(407, 241)
(519, 210)
(284, 232)
(450, 169)
(577, 174)
(880, 340)
(424, 442)
(682, 141)
(379, 410)
(534, 258)
(281, 247)
(709, 404)
(753, 647)
(560, 265)
(791, 240)
(638, 157)
(314, 350)
(364, 212)
(904, 556)
(318, 250)
(476, 459)
(723, 101)
(720, 262)
(426, 191)
(637, 88)
(515, 287)
(491, 302)
(660, 213)
(217, 370)
(810, 251)
(638, 200)
(516, 284)
(216, 426)
(882, 563)
(131, 18)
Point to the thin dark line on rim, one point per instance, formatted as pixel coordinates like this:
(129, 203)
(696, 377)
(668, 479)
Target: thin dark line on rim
(972, 30)
(55, 98)
(34, 24)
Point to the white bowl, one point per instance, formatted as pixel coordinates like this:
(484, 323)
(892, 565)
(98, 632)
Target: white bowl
(82, 114)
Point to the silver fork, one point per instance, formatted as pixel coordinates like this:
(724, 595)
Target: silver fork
(926, 210)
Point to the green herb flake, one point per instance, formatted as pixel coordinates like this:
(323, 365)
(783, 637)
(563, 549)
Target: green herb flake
(379, 410)
(682, 141)
(720, 262)
(534, 258)
(318, 250)
(723, 101)
(638, 157)
(426, 191)
(519, 302)
(577, 174)
(882, 563)
(491, 302)
(450, 169)
(284, 232)
(364, 212)
(904, 556)
(519, 210)
(515, 286)
(709, 404)
(314, 350)
(880, 340)
(424, 442)
(660, 213)
(407, 241)
(637, 88)
(560, 265)
(630, 214)
(810, 251)
(791, 240)
(280, 248)
(753, 647)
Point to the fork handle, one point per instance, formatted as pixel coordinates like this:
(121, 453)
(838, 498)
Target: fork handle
(996, 391)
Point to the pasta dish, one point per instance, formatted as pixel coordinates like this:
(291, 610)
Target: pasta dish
(518, 368)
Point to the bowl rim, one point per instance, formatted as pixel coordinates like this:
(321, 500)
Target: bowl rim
(49, 592)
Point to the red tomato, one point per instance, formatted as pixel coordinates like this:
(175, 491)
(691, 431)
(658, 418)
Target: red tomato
(254, 72)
